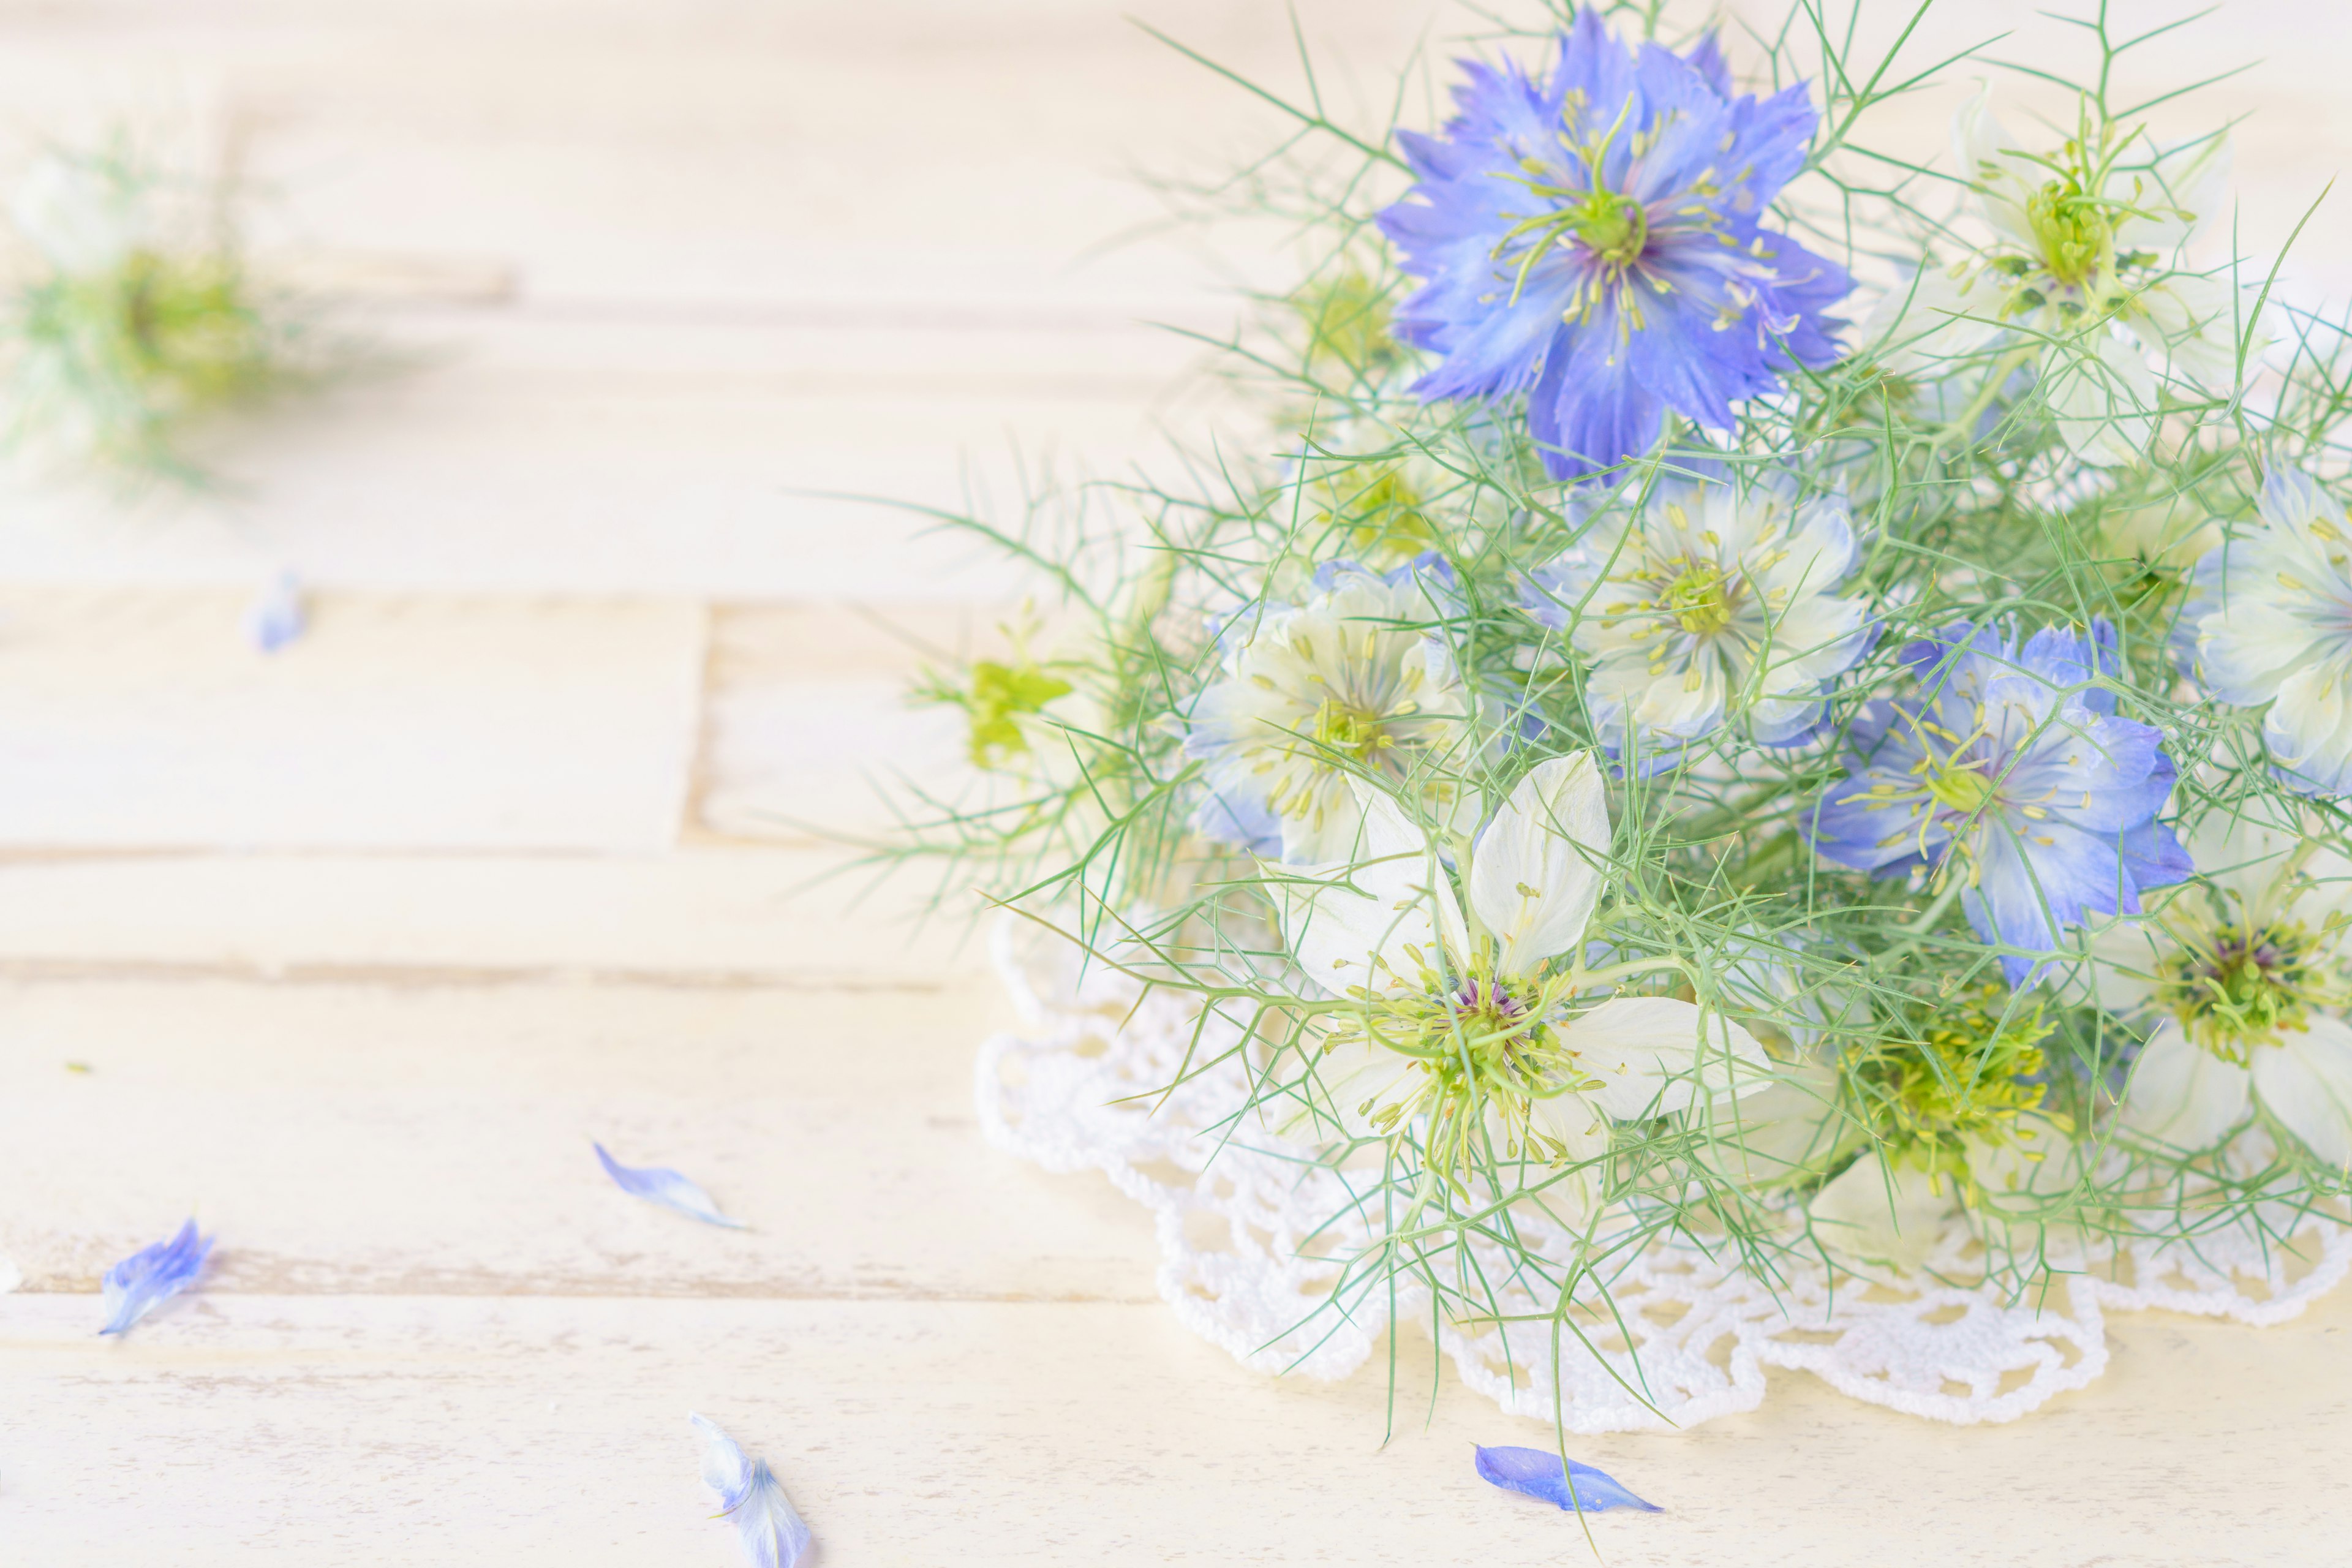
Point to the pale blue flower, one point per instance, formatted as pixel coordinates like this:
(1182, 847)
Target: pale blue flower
(1354, 679)
(2009, 769)
(277, 616)
(1538, 1473)
(152, 1275)
(1593, 240)
(2271, 613)
(772, 1531)
(1704, 604)
(659, 1185)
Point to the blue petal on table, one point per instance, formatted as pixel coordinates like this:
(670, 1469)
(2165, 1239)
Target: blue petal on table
(277, 616)
(773, 1532)
(152, 1275)
(660, 1185)
(1538, 1473)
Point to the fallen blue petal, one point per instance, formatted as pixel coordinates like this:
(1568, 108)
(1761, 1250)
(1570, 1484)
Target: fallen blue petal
(659, 1185)
(773, 1534)
(277, 616)
(1538, 1473)
(152, 1275)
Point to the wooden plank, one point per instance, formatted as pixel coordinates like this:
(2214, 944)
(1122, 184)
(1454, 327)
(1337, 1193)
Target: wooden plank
(253, 1429)
(420, 1139)
(694, 456)
(146, 720)
(786, 917)
(808, 720)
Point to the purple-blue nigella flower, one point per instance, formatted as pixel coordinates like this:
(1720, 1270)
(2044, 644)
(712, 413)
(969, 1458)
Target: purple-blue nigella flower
(1538, 1473)
(1594, 241)
(659, 1185)
(277, 616)
(772, 1531)
(151, 1276)
(2008, 770)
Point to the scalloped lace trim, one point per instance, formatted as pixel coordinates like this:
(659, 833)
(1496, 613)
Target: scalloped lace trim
(1247, 1244)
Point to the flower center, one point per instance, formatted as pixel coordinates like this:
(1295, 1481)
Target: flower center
(2244, 986)
(1484, 1048)
(1614, 229)
(1358, 731)
(1699, 598)
(1975, 1066)
(1958, 787)
(2073, 232)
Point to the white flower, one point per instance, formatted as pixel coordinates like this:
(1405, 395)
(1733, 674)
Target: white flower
(2242, 967)
(2272, 612)
(1493, 1008)
(2085, 242)
(1712, 601)
(1353, 681)
(1895, 1209)
(85, 218)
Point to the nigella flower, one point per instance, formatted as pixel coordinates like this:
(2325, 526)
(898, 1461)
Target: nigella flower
(2008, 770)
(1310, 696)
(1711, 601)
(2273, 617)
(151, 1276)
(773, 1532)
(2244, 972)
(660, 1185)
(2085, 240)
(1538, 1473)
(1594, 241)
(1501, 985)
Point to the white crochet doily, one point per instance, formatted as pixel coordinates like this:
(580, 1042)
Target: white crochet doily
(1247, 1243)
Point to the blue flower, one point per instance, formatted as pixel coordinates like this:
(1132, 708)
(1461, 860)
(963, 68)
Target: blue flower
(2010, 770)
(151, 1276)
(1594, 242)
(659, 1185)
(772, 1529)
(1538, 1473)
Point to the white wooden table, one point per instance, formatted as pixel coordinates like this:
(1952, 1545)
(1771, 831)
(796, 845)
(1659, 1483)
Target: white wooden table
(351, 951)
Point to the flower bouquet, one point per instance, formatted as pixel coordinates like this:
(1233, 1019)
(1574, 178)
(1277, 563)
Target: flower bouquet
(1749, 776)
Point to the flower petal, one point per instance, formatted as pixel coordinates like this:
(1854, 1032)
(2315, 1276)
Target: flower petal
(1888, 1213)
(1538, 1473)
(1376, 922)
(2306, 1081)
(2181, 1094)
(277, 616)
(1537, 869)
(1648, 1054)
(1787, 1131)
(660, 1185)
(773, 1532)
(152, 1275)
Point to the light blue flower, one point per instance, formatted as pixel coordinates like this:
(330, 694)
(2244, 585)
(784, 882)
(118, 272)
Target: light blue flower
(151, 1276)
(773, 1532)
(1538, 1473)
(2008, 770)
(1594, 241)
(277, 616)
(659, 1185)
(1705, 603)
(1355, 678)
(2271, 613)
